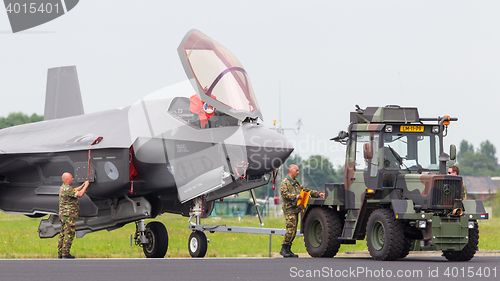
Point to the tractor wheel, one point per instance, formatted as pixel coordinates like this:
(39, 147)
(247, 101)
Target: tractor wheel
(468, 252)
(385, 236)
(157, 235)
(322, 228)
(407, 247)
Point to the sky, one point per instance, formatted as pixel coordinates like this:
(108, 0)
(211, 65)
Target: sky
(309, 60)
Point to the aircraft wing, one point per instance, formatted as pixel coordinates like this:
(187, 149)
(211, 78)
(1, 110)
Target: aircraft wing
(68, 134)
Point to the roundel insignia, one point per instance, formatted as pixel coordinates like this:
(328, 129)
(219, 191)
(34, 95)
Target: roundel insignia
(208, 108)
(111, 170)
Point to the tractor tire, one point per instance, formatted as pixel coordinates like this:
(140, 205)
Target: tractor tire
(322, 228)
(468, 252)
(407, 247)
(385, 236)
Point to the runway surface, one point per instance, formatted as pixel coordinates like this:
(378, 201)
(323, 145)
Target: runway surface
(412, 268)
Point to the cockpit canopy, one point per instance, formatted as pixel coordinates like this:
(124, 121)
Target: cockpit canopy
(217, 76)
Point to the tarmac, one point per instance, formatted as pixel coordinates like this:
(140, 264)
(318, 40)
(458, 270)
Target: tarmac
(366, 254)
(412, 268)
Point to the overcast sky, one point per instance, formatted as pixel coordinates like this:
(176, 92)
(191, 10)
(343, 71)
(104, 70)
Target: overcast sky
(324, 57)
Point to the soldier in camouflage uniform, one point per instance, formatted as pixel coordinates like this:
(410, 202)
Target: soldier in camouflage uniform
(290, 192)
(455, 171)
(68, 212)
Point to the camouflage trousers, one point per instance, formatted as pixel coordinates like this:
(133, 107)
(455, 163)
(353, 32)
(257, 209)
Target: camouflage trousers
(66, 235)
(291, 227)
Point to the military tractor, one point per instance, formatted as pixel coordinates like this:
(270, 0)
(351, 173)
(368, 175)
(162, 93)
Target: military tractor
(396, 191)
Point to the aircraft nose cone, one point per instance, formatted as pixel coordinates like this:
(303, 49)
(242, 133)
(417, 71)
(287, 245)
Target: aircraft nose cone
(266, 149)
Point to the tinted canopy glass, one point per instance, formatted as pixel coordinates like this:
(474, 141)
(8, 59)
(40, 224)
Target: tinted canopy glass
(218, 76)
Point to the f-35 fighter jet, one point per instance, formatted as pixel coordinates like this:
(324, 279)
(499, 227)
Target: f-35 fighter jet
(175, 151)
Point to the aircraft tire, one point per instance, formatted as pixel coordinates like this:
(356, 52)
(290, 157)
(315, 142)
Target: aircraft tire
(197, 244)
(322, 228)
(158, 240)
(468, 252)
(385, 236)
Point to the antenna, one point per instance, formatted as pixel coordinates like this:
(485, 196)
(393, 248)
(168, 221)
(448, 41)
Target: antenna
(279, 92)
(280, 129)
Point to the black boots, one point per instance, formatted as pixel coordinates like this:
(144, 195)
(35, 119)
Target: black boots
(286, 252)
(292, 255)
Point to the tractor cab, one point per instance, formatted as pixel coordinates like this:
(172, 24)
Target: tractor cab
(392, 153)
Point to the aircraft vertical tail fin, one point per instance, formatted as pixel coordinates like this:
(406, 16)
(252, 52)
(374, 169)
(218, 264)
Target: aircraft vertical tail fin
(62, 96)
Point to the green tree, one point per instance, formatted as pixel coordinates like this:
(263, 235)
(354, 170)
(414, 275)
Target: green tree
(477, 164)
(483, 162)
(314, 173)
(318, 170)
(464, 147)
(18, 118)
(488, 149)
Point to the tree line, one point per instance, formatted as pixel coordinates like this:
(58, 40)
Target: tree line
(18, 118)
(478, 162)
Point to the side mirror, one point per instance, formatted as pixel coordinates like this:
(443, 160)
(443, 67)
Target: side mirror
(453, 152)
(368, 150)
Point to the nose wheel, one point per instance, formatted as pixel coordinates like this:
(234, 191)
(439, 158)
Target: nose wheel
(197, 244)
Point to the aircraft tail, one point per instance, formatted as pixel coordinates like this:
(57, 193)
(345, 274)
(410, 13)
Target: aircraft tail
(62, 97)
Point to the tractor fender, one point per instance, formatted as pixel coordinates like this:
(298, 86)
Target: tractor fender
(403, 208)
(474, 209)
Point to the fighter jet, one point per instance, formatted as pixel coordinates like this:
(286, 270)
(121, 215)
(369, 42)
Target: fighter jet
(174, 151)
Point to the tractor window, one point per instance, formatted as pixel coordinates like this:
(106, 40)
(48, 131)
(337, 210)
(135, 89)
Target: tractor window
(361, 162)
(412, 151)
(374, 160)
(361, 139)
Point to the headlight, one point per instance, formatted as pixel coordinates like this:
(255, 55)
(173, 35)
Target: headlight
(388, 128)
(471, 224)
(435, 129)
(422, 224)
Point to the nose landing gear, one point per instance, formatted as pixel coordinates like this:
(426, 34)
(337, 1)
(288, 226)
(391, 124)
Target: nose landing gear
(198, 241)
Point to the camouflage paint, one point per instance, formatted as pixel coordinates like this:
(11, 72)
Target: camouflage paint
(474, 209)
(450, 234)
(414, 195)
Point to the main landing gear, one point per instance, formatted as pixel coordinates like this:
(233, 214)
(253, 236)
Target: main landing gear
(153, 238)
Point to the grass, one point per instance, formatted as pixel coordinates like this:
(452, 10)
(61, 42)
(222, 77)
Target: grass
(19, 239)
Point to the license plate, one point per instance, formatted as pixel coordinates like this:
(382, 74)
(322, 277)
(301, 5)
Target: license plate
(412, 128)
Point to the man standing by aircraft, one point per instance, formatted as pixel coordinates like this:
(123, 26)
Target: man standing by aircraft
(290, 192)
(69, 210)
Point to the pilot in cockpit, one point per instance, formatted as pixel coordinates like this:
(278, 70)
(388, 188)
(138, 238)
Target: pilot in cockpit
(202, 109)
